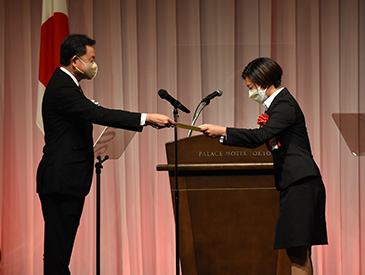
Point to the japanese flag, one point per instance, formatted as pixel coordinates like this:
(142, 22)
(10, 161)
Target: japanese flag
(54, 29)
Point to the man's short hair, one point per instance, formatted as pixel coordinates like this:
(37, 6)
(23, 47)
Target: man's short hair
(74, 44)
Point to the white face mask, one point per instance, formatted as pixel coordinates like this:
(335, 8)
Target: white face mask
(258, 95)
(91, 69)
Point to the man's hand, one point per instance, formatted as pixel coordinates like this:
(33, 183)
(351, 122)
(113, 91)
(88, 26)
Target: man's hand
(159, 121)
(213, 130)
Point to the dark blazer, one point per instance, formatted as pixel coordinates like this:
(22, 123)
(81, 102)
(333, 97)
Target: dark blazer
(68, 157)
(293, 160)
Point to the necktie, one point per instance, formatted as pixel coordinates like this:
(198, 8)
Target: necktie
(81, 91)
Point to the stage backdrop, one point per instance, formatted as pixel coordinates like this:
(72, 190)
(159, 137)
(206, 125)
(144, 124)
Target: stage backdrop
(190, 48)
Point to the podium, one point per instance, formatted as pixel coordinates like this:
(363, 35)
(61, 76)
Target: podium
(228, 208)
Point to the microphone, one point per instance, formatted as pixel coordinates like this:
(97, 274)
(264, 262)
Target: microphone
(208, 98)
(165, 95)
(205, 101)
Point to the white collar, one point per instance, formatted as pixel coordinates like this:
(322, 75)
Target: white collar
(271, 98)
(71, 75)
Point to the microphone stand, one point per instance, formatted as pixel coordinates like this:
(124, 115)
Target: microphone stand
(197, 113)
(176, 104)
(177, 198)
(98, 167)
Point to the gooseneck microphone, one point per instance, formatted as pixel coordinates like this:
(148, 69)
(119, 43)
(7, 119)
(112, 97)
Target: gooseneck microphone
(203, 103)
(209, 97)
(177, 104)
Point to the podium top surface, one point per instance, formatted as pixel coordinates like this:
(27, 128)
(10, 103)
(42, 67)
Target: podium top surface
(352, 128)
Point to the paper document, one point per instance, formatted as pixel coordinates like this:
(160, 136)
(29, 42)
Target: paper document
(189, 127)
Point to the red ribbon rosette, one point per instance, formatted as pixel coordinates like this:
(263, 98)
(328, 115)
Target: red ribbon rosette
(262, 121)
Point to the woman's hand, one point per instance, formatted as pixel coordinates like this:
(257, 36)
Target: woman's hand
(213, 131)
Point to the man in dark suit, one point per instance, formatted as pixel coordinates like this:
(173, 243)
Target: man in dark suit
(301, 221)
(65, 172)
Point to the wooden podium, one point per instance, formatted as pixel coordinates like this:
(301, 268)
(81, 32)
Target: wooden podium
(228, 208)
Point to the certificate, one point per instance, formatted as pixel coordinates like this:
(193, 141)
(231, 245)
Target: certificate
(189, 127)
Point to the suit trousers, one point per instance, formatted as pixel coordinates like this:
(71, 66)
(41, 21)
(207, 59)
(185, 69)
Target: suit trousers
(61, 214)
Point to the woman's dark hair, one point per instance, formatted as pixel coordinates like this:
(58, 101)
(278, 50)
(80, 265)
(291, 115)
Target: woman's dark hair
(263, 71)
(74, 44)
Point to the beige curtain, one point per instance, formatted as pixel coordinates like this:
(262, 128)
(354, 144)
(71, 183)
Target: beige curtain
(190, 48)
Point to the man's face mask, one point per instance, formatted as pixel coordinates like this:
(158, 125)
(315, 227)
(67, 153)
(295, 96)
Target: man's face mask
(91, 69)
(258, 95)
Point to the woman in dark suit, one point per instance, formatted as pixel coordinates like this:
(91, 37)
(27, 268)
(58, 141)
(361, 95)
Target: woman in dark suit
(301, 223)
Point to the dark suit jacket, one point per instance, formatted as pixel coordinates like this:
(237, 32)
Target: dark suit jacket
(293, 160)
(68, 157)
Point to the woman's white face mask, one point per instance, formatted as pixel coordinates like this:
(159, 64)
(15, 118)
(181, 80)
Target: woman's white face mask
(257, 94)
